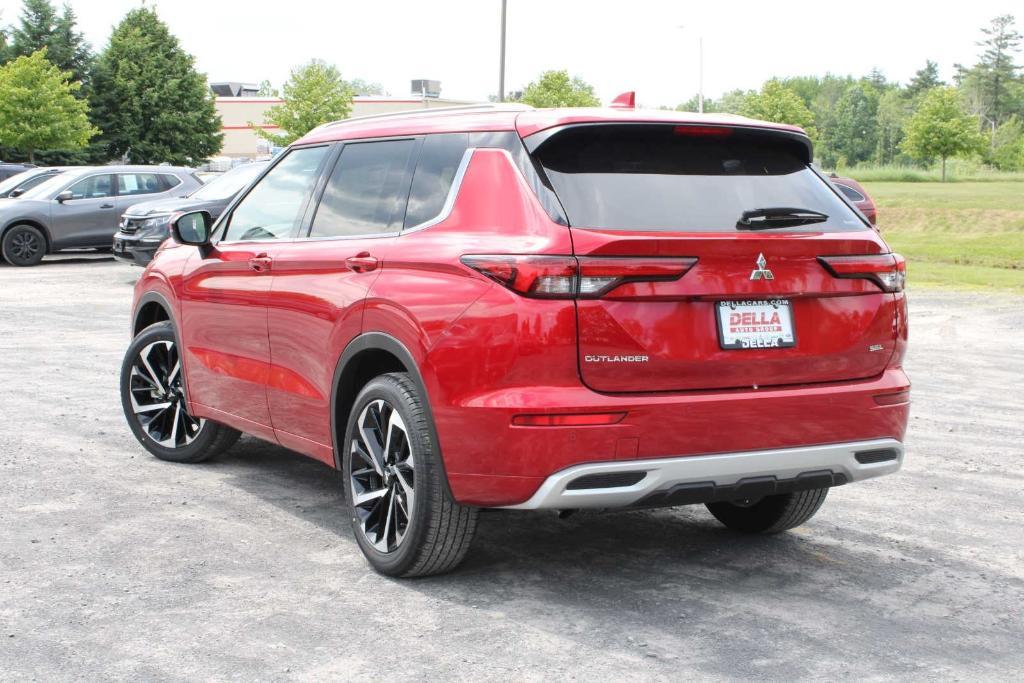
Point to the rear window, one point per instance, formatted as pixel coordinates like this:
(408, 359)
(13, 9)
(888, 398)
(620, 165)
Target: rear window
(680, 178)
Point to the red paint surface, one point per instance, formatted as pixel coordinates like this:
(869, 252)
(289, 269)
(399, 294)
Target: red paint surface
(261, 348)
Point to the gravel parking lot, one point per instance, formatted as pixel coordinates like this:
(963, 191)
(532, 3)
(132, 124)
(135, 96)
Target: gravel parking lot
(114, 565)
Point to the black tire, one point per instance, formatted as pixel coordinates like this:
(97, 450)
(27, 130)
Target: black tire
(438, 531)
(771, 514)
(199, 443)
(23, 245)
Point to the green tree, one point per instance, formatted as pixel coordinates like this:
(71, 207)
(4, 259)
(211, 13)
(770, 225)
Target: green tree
(41, 27)
(894, 109)
(924, 80)
(557, 89)
(149, 100)
(855, 132)
(999, 76)
(267, 90)
(314, 94)
(693, 105)
(778, 103)
(1008, 151)
(941, 128)
(38, 107)
(992, 88)
(733, 101)
(361, 86)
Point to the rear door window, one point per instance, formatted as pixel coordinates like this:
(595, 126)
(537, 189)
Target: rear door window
(138, 183)
(438, 163)
(367, 191)
(683, 178)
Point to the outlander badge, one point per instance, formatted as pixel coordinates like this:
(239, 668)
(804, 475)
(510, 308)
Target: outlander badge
(761, 272)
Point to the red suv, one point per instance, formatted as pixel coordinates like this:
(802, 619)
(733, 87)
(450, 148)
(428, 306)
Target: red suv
(503, 307)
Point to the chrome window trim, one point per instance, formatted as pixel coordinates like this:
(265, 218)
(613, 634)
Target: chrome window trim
(453, 192)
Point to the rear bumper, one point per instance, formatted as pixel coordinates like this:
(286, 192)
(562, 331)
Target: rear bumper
(491, 462)
(707, 478)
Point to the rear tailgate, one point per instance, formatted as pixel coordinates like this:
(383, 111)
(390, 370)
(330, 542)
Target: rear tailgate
(758, 308)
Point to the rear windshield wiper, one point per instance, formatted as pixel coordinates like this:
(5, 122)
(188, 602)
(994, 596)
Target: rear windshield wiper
(778, 217)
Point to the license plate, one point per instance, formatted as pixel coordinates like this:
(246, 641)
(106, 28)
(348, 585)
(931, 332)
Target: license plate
(760, 324)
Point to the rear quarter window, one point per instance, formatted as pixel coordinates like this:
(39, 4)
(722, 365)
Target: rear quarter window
(438, 163)
(683, 178)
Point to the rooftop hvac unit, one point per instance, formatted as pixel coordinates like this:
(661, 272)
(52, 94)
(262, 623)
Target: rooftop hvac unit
(425, 88)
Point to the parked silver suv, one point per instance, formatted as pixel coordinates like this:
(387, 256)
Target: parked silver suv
(81, 207)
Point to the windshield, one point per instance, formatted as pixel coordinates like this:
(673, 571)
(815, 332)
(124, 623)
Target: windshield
(46, 190)
(682, 178)
(229, 184)
(15, 181)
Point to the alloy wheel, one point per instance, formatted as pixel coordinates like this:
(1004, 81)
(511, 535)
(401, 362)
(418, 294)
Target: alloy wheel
(25, 245)
(158, 398)
(382, 477)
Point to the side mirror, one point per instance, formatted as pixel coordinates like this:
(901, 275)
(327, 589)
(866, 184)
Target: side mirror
(192, 228)
(16, 193)
(65, 195)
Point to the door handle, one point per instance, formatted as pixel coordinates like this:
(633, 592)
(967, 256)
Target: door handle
(106, 206)
(362, 262)
(261, 263)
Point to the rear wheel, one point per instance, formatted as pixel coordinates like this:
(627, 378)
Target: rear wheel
(770, 514)
(153, 399)
(404, 518)
(23, 245)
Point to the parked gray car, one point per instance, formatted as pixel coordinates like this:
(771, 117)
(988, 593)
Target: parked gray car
(80, 208)
(19, 184)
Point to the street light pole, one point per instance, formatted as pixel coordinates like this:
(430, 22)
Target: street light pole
(700, 84)
(700, 70)
(501, 60)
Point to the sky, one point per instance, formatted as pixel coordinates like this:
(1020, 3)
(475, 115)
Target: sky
(650, 46)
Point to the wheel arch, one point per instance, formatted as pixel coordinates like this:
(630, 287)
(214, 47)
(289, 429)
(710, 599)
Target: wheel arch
(151, 308)
(367, 356)
(35, 224)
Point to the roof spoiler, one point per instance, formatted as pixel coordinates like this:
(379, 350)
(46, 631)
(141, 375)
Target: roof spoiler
(802, 143)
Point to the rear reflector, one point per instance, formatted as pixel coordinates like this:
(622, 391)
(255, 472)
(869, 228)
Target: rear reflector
(888, 271)
(893, 399)
(606, 480)
(878, 455)
(567, 277)
(568, 420)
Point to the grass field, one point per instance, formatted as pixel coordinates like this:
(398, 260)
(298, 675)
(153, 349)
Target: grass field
(967, 235)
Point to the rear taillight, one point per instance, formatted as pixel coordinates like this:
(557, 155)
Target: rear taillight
(888, 271)
(568, 277)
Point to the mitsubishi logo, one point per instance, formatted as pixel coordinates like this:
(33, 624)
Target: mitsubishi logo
(761, 272)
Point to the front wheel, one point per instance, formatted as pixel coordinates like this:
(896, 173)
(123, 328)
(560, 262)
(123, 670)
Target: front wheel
(403, 515)
(770, 514)
(23, 245)
(153, 399)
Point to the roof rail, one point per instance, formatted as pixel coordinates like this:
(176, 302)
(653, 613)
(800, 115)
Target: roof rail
(426, 111)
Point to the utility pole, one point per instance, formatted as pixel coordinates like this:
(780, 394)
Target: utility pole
(501, 59)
